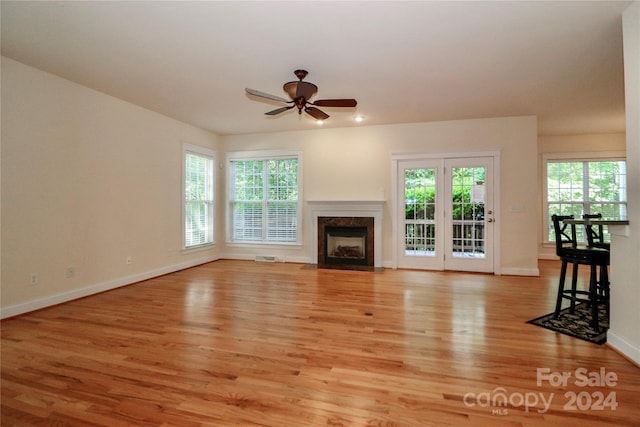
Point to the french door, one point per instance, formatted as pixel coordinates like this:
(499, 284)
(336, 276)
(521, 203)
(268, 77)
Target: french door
(446, 219)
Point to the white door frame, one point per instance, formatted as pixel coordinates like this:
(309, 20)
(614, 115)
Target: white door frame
(395, 213)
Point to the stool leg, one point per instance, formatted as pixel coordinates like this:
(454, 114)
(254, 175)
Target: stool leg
(604, 287)
(574, 286)
(563, 273)
(593, 296)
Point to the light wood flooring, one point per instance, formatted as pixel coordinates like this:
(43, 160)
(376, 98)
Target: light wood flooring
(241, 343)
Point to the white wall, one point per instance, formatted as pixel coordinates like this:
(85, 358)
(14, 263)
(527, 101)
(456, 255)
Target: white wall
(87, 180)
(355, 164)
(582, 143)
(570, 144)
(624, 334)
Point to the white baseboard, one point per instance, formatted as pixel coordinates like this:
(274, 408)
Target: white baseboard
(297, 260)
(623, 346)
(50, 300)
(520, 272)
(245, 257)
(241, 257)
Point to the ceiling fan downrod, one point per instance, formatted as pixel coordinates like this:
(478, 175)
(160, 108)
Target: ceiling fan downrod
(301, 74)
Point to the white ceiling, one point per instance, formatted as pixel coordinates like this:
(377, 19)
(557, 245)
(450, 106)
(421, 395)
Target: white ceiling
(403, 61)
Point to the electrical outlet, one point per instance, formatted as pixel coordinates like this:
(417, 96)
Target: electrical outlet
(129, 259)
(33, 279)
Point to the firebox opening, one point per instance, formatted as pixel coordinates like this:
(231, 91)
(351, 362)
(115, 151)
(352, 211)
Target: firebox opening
(346, 245)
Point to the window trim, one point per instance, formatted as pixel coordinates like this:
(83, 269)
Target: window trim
(583, 156)
(205, 152)
(232, 156)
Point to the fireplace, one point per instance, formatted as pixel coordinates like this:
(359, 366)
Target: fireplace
(346, 243)
(347, 213)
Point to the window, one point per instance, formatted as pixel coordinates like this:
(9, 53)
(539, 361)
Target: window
(198, 196)
(264, 197)
(588, 185)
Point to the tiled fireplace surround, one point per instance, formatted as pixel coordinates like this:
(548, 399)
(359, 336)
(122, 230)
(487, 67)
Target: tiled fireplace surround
(348, 209)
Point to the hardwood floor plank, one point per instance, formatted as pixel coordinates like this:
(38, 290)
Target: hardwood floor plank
(240, 343)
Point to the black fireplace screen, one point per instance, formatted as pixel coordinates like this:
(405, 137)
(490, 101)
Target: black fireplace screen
(346, 245)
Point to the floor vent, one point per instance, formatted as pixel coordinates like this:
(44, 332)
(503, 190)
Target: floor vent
(266, 258)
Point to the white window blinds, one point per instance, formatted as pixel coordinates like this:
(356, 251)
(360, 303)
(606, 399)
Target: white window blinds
(264, 204)
(198, 197)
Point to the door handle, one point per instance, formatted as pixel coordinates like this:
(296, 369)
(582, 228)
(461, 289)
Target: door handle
(490, 220)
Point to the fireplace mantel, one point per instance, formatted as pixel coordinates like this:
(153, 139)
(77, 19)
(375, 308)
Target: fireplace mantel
(347, 204)
(347, 208)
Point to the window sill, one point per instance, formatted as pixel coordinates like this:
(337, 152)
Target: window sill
(199, 248)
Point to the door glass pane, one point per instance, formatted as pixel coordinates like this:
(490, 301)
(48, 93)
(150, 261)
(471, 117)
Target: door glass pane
(419, 212)
(467, 211)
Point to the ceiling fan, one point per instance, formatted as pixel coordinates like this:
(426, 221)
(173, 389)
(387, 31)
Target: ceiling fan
(300, 92)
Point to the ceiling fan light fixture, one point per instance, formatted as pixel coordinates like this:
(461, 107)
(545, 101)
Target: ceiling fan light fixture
(358, 118)
(319, 122)
(291, 88)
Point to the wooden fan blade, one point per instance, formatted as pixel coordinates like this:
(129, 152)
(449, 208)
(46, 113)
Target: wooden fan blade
(316, 113)
(278, 111)
(306, 90)
(265, 95)
(336, 103)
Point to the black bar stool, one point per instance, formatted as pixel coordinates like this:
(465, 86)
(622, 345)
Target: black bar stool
(595, 233)
(569, 252)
